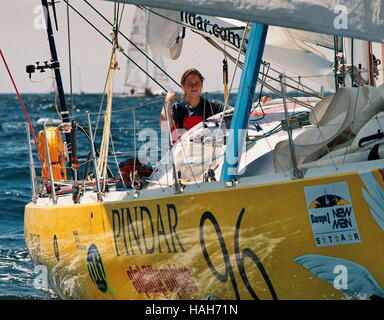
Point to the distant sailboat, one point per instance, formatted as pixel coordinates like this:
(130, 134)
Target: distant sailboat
(81, 90)
(136, 82)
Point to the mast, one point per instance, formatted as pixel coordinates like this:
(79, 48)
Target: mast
(243, 103)
(371, 70)
(59, 83)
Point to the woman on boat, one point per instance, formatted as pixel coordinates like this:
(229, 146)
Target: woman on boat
(193, 108)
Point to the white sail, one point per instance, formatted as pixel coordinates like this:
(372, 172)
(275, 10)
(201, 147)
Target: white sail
(345, 112)
(137, 82)
(135, 79)
(164, 36)
(349, 18)
(304, 59)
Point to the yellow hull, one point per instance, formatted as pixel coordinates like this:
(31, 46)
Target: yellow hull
(256, 241)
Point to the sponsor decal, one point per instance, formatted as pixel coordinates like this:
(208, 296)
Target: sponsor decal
(143, 230)
(96, 269)
(204, 25)
(240, 253)
(331, 214)
(169, 279)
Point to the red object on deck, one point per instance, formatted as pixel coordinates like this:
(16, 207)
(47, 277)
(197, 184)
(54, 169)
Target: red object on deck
(128, 166)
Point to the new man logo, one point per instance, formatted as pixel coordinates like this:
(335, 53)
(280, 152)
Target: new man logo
(328, 200)
(331, 214)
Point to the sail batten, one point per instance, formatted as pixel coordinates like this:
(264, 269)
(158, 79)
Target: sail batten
(348, 18)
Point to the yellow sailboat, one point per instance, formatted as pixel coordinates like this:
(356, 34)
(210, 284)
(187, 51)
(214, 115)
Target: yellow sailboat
(309, 230)
(244, 242)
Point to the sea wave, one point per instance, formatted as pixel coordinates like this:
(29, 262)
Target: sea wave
(16, 269)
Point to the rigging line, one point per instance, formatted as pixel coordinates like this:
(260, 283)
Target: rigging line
(55, 100)
(132, 43)
(308, 101)
(166, 168)
(107, 117)
(142, 105)
(181, 141)
(110, 41)
(84, 186)
(41, 80)
(118, 24)
(134, 147)
(326, 144)
(115, 157)
(114, 11)
(292, 99)
(102, 101)
(115, 27)
(237, 64)
(180, 23)
(298, 87)
(89, 139)
(307, 98)
(214, 44)
(315, 94)
(258, 104)
(126, 128)
(171, 149)
(25, 112)
(266, 136)
(121, 17)
(292, 78)
(352, 123)
(229, 91)
(183, 149)
(121, 154)
(158, 180)
(114, 45)
(69, 58)
(270, 87)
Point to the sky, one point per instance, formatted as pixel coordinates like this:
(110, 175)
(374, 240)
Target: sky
(23, 44)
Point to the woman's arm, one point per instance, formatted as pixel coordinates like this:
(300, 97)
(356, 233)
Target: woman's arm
(169, 99)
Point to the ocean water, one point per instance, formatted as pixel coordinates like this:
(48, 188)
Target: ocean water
(17, 272)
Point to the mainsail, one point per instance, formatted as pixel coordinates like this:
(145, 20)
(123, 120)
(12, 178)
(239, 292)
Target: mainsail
(164, 28)
(349, 18)
(303, 47)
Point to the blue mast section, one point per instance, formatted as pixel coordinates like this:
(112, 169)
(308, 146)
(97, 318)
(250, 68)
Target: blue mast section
(243, 103)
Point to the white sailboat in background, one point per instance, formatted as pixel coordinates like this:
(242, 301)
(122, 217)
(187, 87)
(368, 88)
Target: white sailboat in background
(137, 82)
(81, 89)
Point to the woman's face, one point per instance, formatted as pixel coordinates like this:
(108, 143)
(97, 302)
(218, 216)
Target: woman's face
(193, 86)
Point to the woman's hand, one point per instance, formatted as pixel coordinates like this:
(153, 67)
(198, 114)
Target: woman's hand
(166, 111)
(170, 98)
